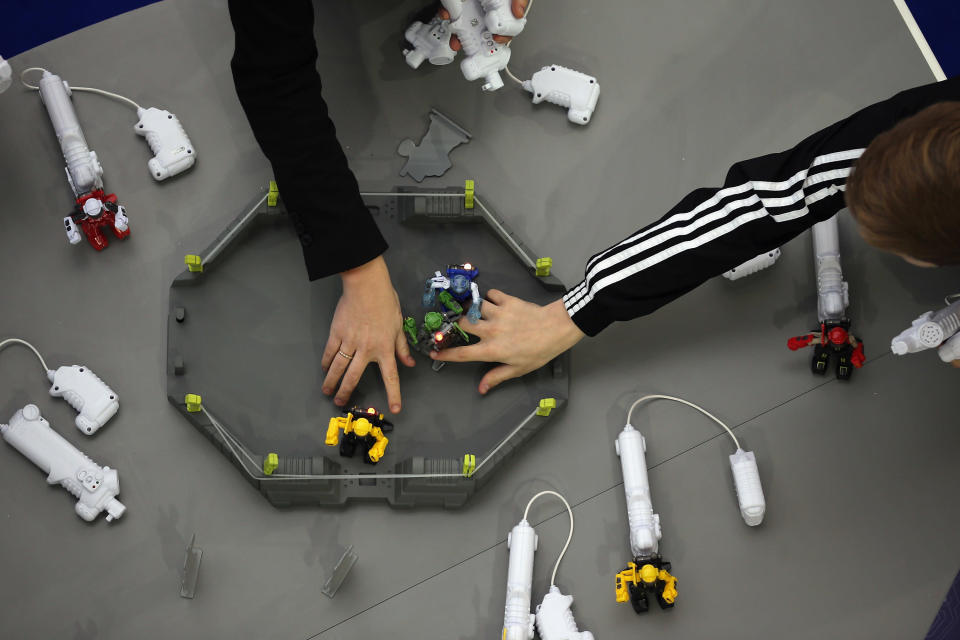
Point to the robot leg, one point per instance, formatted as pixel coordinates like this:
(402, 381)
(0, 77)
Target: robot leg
(821, 358)
(348, 444)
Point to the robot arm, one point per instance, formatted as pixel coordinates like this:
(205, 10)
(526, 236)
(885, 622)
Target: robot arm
(378, 449)
(833, 295)
(474, 313)
(333, 429)
(437, 282)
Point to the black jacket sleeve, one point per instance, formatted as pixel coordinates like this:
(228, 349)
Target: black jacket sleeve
(764, 202)
(274, 70)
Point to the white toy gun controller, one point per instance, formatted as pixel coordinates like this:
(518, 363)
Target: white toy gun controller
(90, 396)
(554, 619)
(172, 149)
(484, 57)
(84, 172)
(576, 92)
(95, 487)
(933, 330)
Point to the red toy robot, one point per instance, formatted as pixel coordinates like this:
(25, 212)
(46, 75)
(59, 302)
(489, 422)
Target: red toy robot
(93, 212)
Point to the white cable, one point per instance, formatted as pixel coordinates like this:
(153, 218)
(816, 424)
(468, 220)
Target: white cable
(689, 404)
(115, 96)
(446, 194)
(506, 69)
(553, 576)
(26, 71)
(4, 343)
(950, 298)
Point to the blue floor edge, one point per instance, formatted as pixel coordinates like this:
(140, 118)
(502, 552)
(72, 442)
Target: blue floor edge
(946, 626)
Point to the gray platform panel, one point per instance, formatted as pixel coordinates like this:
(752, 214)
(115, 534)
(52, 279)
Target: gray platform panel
(245, 333)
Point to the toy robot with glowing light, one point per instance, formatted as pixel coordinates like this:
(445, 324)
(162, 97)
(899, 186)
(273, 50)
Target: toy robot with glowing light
(438, 331)
(833, 298)
(362, 428)
(452, 291)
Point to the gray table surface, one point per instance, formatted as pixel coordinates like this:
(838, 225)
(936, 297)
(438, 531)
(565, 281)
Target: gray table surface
(861, 479)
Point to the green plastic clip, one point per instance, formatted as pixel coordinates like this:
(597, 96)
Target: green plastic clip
(270, 463)
(469, 464)
(546, 406)
(468, 194)
(273, 194)
(194, 262)
(193, 402)
(543, 266)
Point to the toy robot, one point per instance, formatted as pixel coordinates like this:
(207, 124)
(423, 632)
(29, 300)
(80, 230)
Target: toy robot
(363, 428)
(446, 295)
(455, 288)
(94, 209)
(438, 331)
(834, 337)
(94, 212)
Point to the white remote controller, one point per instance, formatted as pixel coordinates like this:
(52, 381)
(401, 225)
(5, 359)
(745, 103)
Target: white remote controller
(751, 266)
(95, 487)
(746, 481)
(430, 41)
(644, 524)
(575, 91)
(94, 401)
(517, 619)
(499, 18)
(173, 152)
(485, 57)
(555, 620)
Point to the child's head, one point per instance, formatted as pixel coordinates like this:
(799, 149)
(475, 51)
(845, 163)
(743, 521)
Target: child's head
(904, 191)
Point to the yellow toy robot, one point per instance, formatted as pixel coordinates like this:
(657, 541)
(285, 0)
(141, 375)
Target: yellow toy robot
(633, 584)
(363, 428)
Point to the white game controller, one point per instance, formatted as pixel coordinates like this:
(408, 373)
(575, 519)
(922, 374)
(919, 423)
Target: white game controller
(499, 18)
(95, 487)
(517, 619)
(575, 91)
(430, 41)
(555, 620)
(94, 401)
(484, 56)
(173, 152)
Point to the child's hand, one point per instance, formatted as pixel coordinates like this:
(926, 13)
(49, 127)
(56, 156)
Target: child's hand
(521, 335)
(518, 7)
